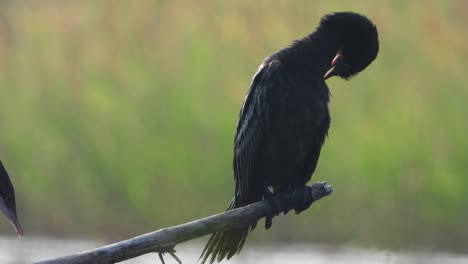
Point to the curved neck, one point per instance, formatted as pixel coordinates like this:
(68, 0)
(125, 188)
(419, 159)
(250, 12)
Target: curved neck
(316, 50)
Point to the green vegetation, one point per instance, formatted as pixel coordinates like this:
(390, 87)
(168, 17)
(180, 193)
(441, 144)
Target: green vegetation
(119, 118)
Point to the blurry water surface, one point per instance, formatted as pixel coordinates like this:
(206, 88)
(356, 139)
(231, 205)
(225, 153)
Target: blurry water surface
(29, 250)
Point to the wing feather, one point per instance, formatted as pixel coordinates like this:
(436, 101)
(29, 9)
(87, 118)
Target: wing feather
(253, 119)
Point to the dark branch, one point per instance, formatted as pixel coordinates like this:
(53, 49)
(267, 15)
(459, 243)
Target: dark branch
(164, 240)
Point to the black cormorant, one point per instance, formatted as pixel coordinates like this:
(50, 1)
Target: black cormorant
(7, 200)
(284, 120)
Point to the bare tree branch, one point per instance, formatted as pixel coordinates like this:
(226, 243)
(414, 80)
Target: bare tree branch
(164, 240)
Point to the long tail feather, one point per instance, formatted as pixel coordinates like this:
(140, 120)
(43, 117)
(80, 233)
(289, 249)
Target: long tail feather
(225, 244)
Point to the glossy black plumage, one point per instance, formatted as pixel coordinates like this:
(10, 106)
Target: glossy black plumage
(7, 200)
(284, 120)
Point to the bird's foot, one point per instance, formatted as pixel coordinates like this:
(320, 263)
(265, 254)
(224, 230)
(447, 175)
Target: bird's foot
(277, 206)
(302, 197)
(299, 199)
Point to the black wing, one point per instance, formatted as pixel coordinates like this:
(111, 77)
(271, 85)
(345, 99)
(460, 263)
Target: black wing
(282, 126)
(253, 120)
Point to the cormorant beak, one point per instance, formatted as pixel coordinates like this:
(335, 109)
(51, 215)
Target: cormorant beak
(12, 218)
(333, 66)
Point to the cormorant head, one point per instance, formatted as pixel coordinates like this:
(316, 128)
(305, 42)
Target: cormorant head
(358, 40)
(7, 200)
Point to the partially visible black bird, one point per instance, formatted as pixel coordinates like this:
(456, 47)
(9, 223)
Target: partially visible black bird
(7, 200)
(284, 119)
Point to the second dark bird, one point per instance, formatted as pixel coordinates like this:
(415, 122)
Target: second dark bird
(284, 120)
(7, 200)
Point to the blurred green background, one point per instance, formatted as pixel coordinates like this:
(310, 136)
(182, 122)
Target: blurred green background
(118, 118)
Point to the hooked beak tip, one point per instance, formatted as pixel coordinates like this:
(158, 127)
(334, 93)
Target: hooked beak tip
(19, 230)
(12, 218)
(332, 70)
(16, 225)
